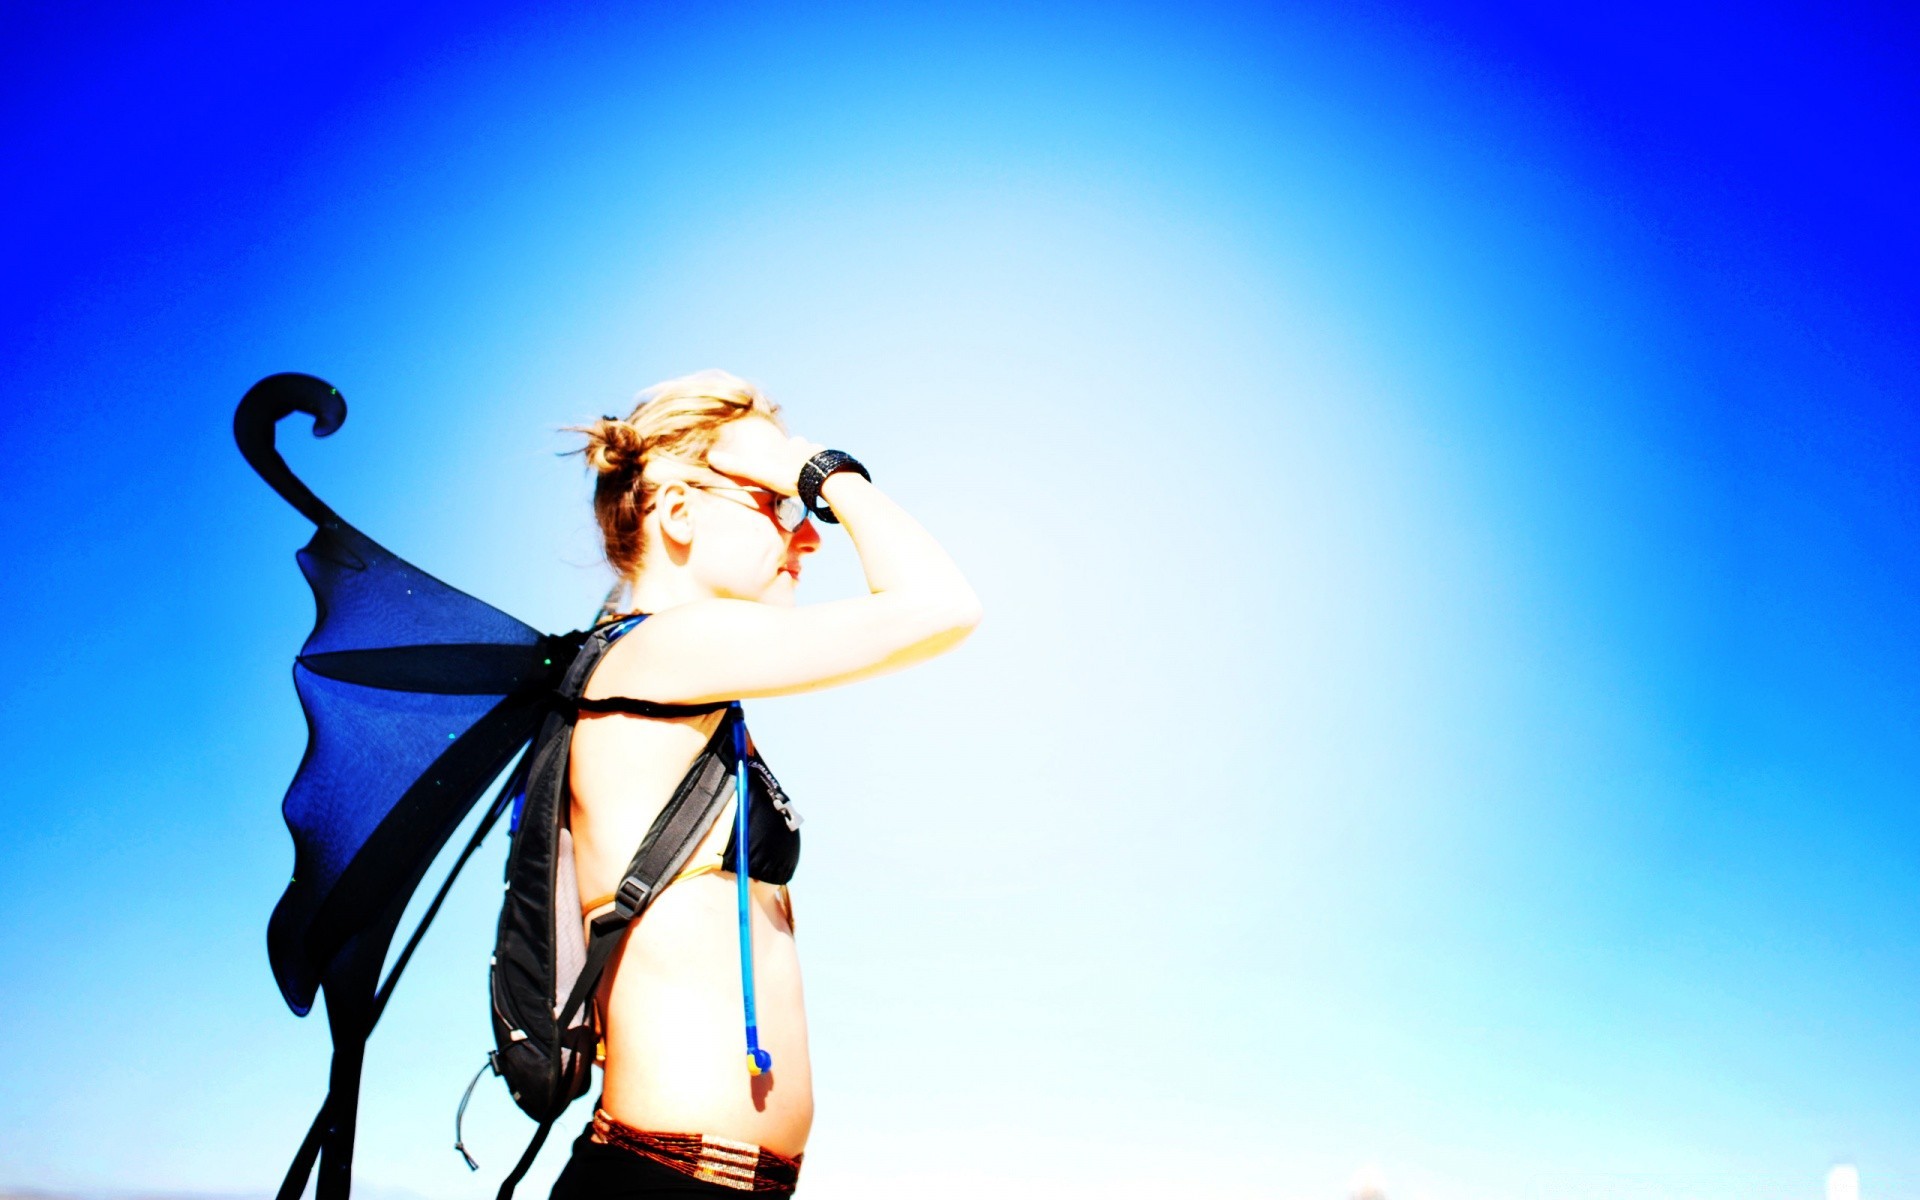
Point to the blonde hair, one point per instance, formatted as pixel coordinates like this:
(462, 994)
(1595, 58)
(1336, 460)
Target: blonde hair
(680, 418)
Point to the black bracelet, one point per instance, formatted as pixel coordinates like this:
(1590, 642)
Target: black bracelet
(814, 475)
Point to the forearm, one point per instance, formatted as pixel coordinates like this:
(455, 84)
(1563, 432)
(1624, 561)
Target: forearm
(897, 554)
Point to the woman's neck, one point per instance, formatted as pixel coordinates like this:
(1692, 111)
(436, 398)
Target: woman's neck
(657, 591)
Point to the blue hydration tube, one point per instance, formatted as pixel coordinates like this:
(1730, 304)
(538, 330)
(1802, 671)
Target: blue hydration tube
(758, 1060)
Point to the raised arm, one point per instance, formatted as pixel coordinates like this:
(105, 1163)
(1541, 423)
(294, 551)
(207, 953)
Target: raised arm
(919, 605)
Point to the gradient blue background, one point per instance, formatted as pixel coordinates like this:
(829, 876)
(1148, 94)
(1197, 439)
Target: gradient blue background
(1442, 480)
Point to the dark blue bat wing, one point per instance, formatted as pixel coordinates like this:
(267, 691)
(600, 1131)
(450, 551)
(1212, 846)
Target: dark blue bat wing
(417, 696)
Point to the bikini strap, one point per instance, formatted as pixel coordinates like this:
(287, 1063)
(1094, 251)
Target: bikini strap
(644, 708)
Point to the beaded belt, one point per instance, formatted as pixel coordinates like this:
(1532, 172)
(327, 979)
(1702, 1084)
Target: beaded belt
(740, 1165)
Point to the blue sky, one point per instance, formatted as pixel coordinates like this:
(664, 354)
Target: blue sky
(1441, 479)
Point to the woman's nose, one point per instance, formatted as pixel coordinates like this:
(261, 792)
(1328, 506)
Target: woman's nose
(806, 539)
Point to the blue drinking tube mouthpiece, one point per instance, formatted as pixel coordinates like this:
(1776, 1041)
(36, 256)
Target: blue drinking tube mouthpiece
(759, 1061)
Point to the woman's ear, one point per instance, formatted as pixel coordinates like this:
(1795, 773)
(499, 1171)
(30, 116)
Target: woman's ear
(673, 514)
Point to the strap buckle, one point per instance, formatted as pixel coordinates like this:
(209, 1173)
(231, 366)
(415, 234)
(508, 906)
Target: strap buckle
(632, 896)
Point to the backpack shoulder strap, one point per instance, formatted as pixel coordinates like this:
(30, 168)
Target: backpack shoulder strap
(662, 853)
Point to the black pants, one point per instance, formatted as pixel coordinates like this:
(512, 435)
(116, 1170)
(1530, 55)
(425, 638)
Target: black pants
(600, 1172)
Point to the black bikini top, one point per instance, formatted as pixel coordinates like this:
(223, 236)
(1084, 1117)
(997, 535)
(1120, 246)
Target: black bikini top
(773, 827)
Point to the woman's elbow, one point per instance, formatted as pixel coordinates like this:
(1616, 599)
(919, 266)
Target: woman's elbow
(963, 614)
(942, 620)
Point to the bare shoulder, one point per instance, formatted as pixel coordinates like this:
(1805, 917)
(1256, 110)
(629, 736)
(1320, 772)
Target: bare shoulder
(643, 658)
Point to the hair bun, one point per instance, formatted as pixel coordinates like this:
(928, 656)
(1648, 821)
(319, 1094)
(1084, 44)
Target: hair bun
(613, 446)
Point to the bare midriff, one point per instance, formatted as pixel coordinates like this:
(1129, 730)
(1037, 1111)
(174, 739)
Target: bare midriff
(673, 1019)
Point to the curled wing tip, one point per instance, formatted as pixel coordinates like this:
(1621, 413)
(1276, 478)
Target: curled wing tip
(262, 408)
(288, 392)
(297, 390)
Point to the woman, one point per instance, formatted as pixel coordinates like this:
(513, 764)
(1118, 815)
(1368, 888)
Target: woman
(697, 501)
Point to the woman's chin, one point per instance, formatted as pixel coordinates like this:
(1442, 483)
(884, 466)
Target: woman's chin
(782, 590)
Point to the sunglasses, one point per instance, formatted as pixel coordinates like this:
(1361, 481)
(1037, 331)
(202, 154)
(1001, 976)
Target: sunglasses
(788, 512)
